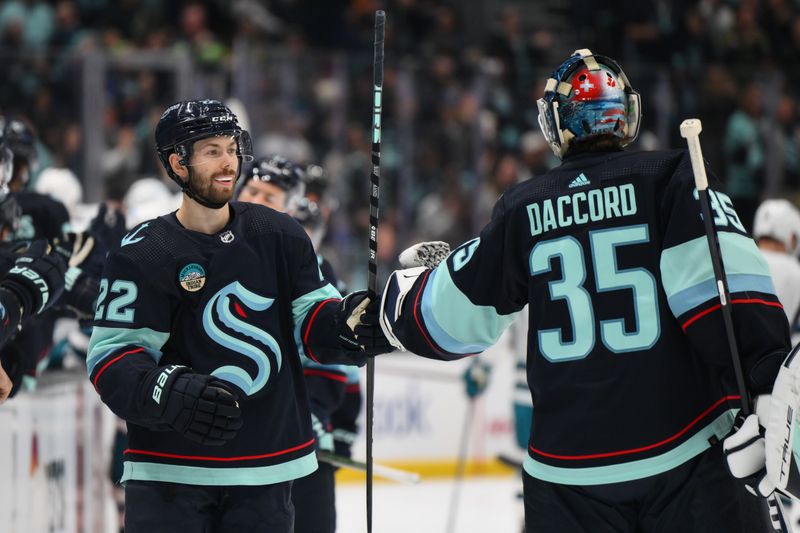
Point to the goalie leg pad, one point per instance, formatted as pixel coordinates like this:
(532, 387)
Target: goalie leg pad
(783, 433)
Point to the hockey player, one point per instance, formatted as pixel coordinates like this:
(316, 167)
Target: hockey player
(194, 342)
(274, 182)
(278, 183)
(628, 364)
(32, 279)
(42, 216)
(335, 396)
(776, 229)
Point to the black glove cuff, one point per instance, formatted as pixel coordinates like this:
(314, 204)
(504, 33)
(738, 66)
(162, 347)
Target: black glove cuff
(26, 304)
(156, 387)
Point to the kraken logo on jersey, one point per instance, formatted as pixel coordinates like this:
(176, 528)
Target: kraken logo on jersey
(218, 310)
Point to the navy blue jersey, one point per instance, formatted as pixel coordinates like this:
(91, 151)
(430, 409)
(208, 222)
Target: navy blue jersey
(43, 217)
(627, 360)
(236, 305)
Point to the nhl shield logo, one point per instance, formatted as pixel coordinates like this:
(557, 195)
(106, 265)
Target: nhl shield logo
(192, 277)
(226, 237)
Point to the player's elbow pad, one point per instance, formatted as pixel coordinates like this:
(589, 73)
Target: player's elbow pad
(400, 285)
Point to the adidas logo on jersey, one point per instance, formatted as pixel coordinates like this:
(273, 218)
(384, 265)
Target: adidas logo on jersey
(580, 181)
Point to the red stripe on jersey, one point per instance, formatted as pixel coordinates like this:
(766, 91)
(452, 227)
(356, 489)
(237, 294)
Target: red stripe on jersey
(417, 319)
(643, 448)
(311, 321)
(701, 314)
(105, 366)
(322, 373)
(220, 459)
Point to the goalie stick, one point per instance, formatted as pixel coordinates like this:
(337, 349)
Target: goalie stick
(690, 130)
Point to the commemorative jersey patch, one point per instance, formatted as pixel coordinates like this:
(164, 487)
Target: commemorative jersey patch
(192, 277)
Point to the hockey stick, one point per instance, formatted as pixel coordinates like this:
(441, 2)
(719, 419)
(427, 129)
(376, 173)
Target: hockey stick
(690, 130)
(461, 466)
(372, 283)
(386, 472)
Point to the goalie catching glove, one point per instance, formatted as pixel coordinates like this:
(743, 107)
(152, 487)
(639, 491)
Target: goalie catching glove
(200, 407)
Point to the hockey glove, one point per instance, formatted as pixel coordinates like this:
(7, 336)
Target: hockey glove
(80, 289)
(745, 450)
(37, 278)
(358, 325)
(476, 378)
(200, 407)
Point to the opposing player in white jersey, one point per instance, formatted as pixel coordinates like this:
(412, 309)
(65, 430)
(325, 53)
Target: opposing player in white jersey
(776, 229)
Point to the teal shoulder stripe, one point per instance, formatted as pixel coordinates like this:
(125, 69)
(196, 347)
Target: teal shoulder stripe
(688, 265)
(198, 475)
(104, 340)
(308, 363)
(690, 298)
(454, 322)
(353, 374)
(302, 305)
(600, 475)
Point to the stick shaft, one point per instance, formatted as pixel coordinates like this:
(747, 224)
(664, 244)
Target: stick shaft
(372, 282)
(692, 135)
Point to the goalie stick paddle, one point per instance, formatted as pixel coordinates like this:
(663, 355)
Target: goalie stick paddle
(372, 283)
(690, 130)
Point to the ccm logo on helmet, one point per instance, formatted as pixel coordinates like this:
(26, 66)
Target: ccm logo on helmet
(222, 118)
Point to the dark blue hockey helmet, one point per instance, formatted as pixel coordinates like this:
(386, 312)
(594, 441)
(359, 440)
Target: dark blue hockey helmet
(184, 123)
(281, 172)
(20, 138)
(277, 170)
(587, 96)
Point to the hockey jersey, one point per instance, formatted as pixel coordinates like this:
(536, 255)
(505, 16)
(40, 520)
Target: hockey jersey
(627, 361)
(239, 305)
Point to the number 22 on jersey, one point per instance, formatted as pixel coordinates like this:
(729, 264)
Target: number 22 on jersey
(608, 277)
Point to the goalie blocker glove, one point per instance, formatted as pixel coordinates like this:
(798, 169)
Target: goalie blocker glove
(198, 406)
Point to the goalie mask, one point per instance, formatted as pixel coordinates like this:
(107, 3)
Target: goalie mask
(184, 123)
(588, 96)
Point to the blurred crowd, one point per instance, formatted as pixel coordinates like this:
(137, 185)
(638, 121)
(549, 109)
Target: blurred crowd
(462, 80)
